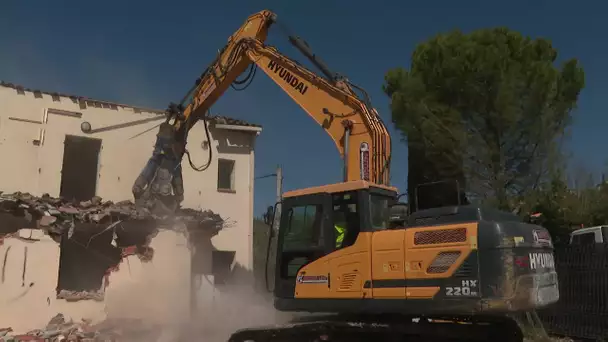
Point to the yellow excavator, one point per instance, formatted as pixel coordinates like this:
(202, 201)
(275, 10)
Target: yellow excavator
(339, 252)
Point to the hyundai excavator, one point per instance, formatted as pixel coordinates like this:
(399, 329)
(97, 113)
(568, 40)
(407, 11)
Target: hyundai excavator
(462, 268)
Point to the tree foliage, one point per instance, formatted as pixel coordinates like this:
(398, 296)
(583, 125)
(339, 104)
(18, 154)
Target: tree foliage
(261, 232)
(570, 203)
(487, 108)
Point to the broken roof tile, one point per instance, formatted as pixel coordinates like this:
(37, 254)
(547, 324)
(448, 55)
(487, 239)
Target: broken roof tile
(224, 120)
(64, 214)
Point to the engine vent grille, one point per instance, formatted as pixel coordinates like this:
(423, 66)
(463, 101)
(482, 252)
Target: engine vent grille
(443, 261)
(347, 282)
(465, 270)
(433, 237)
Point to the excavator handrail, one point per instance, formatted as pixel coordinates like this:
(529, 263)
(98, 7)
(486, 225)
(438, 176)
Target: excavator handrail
(357, 130)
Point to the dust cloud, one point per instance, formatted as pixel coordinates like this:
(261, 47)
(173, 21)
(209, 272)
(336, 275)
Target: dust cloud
(214, 319)
(235, 308)
(164, 297)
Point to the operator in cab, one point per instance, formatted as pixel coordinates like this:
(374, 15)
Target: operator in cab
(340, 227)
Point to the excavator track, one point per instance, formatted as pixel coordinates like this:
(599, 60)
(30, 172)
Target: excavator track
(377, 328)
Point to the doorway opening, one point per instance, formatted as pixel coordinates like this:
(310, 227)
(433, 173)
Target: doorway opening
(80, 166)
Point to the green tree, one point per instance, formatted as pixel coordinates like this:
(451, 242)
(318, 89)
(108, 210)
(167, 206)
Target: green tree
(554, 200)
(567, 203)
(488, 109)
(600, 210)
(261, 232)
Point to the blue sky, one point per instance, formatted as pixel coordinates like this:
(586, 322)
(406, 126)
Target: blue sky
(148, 55)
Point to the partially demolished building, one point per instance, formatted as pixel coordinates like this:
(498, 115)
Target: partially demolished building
(71, 244)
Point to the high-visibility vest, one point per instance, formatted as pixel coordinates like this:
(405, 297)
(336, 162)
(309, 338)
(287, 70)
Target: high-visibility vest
(339, 235)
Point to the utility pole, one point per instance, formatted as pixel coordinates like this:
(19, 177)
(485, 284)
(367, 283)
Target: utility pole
(279, 194)
(277, 214)
(279, 183)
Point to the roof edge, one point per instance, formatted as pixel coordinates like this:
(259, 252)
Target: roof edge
(86, 102)
(230, 127)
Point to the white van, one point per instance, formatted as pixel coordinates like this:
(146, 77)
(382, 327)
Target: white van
(589, 235)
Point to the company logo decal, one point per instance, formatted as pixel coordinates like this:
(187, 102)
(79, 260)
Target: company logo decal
(311, 279)
(541, 260)
(364, 158)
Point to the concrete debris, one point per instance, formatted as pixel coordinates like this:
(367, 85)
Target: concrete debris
(57, 215)
(73, 296)
(60, 329)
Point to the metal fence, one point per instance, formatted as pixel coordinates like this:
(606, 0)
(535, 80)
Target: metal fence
(582, 310)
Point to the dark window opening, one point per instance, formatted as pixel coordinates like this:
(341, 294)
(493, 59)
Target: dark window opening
(88, 256)
(85, 258)
(225, 174)
(79, 170)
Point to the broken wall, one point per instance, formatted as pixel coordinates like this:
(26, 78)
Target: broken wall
(34, 127)
(29, 281)
(98, 260)
(157, 291)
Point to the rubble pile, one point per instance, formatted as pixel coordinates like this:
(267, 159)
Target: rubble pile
(57, 215)
(59, 329)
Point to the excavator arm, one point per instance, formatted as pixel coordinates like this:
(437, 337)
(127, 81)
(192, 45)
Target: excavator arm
(355, 127)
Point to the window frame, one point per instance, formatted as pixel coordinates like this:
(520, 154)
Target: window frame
(389, 200)
(365, 200)
(232, 163)
(284, 276)
(316, 232)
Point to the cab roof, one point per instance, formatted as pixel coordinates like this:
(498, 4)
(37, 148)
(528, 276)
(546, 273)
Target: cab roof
(338, 187)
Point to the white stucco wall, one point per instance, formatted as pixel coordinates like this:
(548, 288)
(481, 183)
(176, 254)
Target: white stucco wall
(37, 169)
(157, 292)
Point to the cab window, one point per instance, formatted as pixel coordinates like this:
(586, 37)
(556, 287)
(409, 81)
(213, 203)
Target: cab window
(304, 228)
(379, 211)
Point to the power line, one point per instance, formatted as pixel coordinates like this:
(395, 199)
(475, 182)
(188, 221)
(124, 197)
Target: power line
(266, 176)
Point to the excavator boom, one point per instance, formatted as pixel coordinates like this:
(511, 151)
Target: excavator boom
(228, 65)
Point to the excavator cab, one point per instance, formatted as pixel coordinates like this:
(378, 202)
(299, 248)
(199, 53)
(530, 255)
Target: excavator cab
(309, 228)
